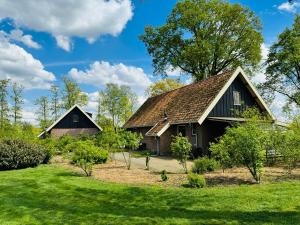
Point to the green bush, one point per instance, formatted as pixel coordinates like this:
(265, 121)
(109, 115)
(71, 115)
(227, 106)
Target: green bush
(204, 164)
(62, 143)
(163, 175)
(49, 145)
(17, 154)
(86, 154)
(196, 180)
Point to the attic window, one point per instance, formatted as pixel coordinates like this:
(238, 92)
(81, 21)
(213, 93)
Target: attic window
(236, 98)
(75, 118)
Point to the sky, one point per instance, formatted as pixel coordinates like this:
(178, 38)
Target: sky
(96, 42)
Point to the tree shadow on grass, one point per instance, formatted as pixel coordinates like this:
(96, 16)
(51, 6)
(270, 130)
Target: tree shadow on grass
(100, 203)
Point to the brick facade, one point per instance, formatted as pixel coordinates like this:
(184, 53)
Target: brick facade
(56, 133)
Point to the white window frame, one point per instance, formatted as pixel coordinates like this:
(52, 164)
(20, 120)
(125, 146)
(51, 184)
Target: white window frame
(237, 98)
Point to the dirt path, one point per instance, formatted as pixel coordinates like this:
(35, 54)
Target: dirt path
(157, 163)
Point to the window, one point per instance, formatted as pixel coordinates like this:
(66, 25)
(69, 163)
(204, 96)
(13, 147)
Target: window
(75, 118)
(236, 98)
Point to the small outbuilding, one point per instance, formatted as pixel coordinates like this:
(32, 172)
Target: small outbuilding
(200, 111)
(74, 122)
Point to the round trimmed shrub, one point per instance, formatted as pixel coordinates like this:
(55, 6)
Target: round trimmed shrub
(204, 164)
(17, 154)
(196, 180)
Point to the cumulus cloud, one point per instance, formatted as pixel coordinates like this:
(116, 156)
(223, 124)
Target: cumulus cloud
(101, 73)
(20, 66)
(87, 19)
(289, 7)
(174, 71)
(17, 35)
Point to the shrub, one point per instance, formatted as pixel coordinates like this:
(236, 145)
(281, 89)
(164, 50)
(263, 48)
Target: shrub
(50, 148)
(62, 143)
(196, 180)
(17, 154)
(86, 154)
(204, 164)
(163, 175)
(181, 149)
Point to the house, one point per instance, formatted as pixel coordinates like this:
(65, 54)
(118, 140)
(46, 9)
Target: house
(200, 111)
(73, 122)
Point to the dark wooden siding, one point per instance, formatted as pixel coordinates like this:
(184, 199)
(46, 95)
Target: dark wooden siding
(225, 106)
(67, 121)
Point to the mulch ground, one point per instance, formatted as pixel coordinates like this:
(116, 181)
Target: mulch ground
(117, 172)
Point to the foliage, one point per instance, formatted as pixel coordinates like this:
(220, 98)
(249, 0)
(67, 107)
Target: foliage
(221, 154)
(163, 175)
(72, 94)
(17, 154)
(117, 102)
(282, 72)
(43, 112)
(287, 144)
(55, 105)
(4, 109)
(49, 145)
(196, 180)
(163, 86)
(181, 148)
(204, 37)
(86, 154)
(62, 143)
(17, 101)
(204, 164)
(246, 144)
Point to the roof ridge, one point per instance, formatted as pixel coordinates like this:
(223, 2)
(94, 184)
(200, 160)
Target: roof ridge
(197, 82)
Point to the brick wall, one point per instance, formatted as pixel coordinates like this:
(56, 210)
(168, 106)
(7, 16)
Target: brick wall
(73, 132)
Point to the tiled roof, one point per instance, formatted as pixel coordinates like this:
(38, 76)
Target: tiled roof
(161, 125)
(182, 105)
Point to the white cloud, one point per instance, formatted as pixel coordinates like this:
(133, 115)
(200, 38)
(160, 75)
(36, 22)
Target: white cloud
(289, 7)
(87, 19)
(20, 66)
(101, 73)
(260, 76)
(17, 35)
(176, 72)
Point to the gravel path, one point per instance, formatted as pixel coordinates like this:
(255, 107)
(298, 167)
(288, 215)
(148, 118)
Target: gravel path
(157, 163)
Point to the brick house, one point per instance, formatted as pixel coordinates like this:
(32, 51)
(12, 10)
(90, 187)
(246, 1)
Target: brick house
(200, 111)
(73, 122)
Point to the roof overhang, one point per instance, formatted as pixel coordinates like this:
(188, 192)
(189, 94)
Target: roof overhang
(66, 113)
(251, 88)
(160, 132)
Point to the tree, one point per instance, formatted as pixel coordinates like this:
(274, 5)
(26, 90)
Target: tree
(43, 112)
(283, 66)
(4, 109)
(205, 37)
(17, 101)
(181, 149)
(117, 102)
(72, 94)
(163, 86)
(245, 144)
(55, 105)
(287, 144)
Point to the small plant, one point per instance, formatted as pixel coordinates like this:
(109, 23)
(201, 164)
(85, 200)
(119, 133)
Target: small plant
(181, 149)
(196, 180)
(204, 164)
(163, 175)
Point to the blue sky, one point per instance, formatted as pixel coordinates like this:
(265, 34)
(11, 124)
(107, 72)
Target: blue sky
(96, 42)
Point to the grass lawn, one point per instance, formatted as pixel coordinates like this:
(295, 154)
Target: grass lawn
(52, 195)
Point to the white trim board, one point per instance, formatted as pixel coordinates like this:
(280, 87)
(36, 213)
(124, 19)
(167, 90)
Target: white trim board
(66, 113)
(252, 89)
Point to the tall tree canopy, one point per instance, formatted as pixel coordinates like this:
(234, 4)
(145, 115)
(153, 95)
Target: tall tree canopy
(205, 37)
(118, 102)
(43, 112)
(4, 109)
(163, 86)
(283, 65)
(72, 94)
(17, 101)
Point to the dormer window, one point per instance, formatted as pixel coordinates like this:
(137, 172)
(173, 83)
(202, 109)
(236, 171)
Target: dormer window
(236, 98)
(75, 118)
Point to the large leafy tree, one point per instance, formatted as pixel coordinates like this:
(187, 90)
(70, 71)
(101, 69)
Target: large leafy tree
(43, 112)
(117, 102)
(55, 104)
(205, 37)
(162, 86)
(283, 66)
(4, 109)
(72, 94)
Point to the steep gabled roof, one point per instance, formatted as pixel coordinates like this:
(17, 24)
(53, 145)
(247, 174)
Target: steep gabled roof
(65, 114)
(191, 103)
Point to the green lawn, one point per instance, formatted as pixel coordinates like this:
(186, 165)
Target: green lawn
(52, 195)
